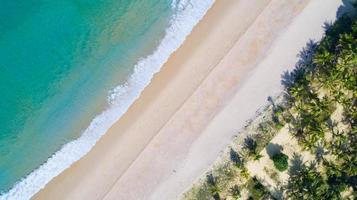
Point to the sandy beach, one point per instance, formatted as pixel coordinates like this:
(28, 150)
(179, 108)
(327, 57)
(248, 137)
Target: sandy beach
(204, 94)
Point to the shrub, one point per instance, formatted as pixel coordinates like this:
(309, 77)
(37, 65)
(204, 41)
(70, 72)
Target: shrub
(280, 161)
(235, 192)
(257, 190)
(236, 159)
(251, 145)
(212, 184)
(244, 173)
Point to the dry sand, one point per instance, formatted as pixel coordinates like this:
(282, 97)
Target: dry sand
(216, 81)
(264, 168)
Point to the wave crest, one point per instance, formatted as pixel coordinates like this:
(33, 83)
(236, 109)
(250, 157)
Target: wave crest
(187, 14)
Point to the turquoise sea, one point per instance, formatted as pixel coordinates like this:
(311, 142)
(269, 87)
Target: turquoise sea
(65, 63)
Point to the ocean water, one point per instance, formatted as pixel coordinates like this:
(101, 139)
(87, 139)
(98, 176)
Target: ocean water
(69, 69)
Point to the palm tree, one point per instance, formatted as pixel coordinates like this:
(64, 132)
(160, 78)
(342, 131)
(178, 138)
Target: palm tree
(306, 183)
(236, 159)
(251, 145)
(235, 192)
(213, 186)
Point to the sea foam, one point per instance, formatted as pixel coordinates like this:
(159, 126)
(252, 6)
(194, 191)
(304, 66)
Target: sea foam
(187, 13)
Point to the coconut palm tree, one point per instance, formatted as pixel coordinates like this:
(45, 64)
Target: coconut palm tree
(306, 183)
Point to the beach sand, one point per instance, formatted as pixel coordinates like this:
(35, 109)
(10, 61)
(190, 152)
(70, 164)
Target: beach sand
(219, 77)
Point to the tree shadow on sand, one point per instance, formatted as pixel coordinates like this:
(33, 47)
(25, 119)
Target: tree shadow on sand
(305, 56)
(236, 158)
(348, 7)
(296, 164)
(273, 149)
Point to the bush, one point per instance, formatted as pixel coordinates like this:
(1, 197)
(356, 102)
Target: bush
(280, 161)
(251, 145)
(236, 159)
(257, 190)
(235, 192)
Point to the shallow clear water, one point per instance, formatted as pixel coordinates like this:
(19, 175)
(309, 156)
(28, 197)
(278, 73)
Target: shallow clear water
(58, 61)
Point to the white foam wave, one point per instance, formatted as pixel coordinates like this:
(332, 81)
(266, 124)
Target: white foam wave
(187, 14)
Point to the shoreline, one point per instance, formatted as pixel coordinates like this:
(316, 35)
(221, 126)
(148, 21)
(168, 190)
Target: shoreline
(179, 113)
(124, 139)
(119, 99)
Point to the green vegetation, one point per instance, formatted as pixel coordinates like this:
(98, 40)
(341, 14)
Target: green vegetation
(319, 109)
(320, 87)
(251, 146)
(257, 190)
(235, 192)
(306, 183)
(280, 161)
(232, 179)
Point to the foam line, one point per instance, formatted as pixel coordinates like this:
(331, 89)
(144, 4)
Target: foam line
(187, 13)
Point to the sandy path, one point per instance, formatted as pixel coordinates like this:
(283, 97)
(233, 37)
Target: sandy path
(218, 79)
